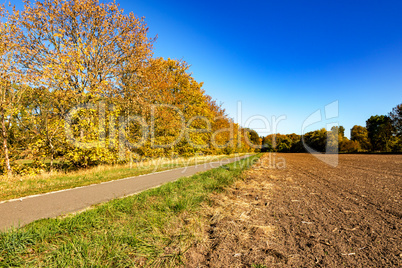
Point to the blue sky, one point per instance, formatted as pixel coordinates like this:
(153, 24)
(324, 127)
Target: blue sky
(285, 57)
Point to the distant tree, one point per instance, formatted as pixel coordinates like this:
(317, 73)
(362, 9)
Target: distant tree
(339, 131)
(267, 143)
(316, 139)
(297, 145)
(337, 136)
(289, 143)
(253, 136)
(283, 143)
(342, 131)
(396, 119)
(349, 146)
(294, 137)
(360, 135)
(380, 130)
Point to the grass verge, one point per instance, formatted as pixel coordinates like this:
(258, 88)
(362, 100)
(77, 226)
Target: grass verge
(20, 186)
(153, 228)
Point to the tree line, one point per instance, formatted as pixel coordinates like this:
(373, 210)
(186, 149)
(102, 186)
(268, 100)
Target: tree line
(382, 133)
(79, 83)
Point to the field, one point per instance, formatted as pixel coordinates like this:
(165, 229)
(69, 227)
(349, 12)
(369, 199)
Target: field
(307, 214)
(288, 210)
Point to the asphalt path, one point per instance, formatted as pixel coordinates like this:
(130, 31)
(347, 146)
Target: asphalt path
(19, 212)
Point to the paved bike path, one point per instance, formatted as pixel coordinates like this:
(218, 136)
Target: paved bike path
(19, 212)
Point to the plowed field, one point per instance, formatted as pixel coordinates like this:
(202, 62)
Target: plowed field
(293, 210)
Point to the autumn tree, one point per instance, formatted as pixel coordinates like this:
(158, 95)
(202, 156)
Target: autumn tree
(396, 119)
(12, 85)
(338, 130)
(267, 143)
(252, 138)
(223, 129)
(380, 130)
(316, 139)
(44, 125)
(349, 146)
(283, 143)
(81, 51)
(175, 108)
(360, 135)
(70, 68)
(82, 48)
(337, 137)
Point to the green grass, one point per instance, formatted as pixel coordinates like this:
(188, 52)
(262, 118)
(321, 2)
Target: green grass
(20, 186)
(153, 228)
(258, 266)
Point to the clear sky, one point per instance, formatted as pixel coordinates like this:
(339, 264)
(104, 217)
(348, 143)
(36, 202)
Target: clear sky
(285, 57)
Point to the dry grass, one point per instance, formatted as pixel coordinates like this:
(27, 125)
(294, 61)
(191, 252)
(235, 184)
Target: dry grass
(241, 198)
(239, 203)
(236, 226)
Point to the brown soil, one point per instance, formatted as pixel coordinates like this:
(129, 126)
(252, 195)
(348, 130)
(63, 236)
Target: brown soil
(293, 210)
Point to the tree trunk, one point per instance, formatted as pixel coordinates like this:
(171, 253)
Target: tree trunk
(5, 147)
(51, 161)
(51, 156)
